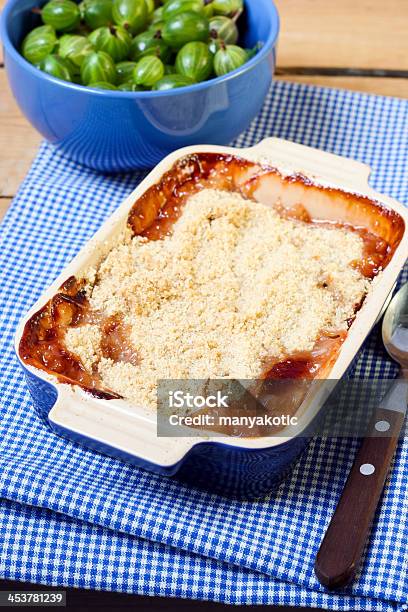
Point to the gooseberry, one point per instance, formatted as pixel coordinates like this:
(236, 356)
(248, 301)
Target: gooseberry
(172, 81)
(149, 44)
(39, 43)
(195, 61)
(102, 85)
(227, 7)
(74, 48)
(229, 58)
(63, 15)
(185, 27)
(124, 72)
(148, 71)
(98, 66)
(175, 7)
(96, 13)
(131, 14)
(57, 67)
(114, 40)
(224, 28)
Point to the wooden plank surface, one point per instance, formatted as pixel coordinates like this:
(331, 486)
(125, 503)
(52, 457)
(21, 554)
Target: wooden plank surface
(4, 204)
(378, 86)
(344, 33)
(18, 141)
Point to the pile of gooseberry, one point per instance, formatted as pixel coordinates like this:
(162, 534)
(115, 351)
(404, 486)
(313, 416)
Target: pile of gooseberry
(137, 45)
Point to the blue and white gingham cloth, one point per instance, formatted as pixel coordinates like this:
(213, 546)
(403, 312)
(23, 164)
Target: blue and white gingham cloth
(72, 517)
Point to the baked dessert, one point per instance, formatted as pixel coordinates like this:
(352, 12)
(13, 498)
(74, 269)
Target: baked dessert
(208, 280)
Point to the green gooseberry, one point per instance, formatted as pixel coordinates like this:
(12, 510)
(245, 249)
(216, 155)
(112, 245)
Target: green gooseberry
(114, 40)
(155, 29)
(150, 5)
(102, 85)
(81, 8)
(96, 13)
(185, 27)
(74, 48)
(214, 45)
(63, 15)
(130, 86)
(224, 28)
(57, 67)
(148, 71)
(131, 14)
(227, 7)
(195, 61)
(208, 9)
(175, 7)
(158, 15)
(124, 72)
(148, 44)
(98, 66)
(172, 81)
(39, 43)
(229, 58)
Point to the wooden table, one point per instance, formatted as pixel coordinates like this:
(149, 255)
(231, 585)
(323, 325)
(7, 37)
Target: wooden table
(353, 44)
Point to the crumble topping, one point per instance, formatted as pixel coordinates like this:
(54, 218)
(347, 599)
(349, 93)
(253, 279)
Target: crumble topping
(234, 287)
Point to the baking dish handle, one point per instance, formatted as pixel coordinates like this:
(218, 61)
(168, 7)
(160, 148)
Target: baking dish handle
(320, 165)
(115, 428)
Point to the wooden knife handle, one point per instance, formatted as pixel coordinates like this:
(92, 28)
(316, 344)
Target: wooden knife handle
(341, 550)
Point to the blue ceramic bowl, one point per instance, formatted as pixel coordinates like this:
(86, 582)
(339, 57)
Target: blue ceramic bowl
(117, 131)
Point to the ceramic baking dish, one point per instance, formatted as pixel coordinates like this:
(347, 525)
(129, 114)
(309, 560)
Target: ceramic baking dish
(331, 188)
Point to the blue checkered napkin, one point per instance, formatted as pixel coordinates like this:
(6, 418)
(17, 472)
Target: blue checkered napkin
(188, 542)
(62, 551)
